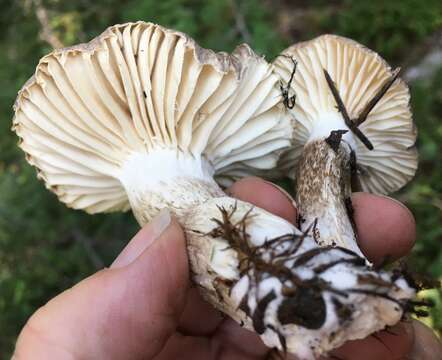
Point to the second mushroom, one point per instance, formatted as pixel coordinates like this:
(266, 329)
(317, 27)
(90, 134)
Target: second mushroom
(354, 131)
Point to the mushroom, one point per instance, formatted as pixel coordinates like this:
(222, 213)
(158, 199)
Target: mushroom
(143, 118)
(354, 130)
(98, 120)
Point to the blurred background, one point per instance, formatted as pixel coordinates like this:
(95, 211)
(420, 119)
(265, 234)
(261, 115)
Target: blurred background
(45, 247)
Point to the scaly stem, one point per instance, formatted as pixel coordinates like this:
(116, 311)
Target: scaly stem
(324, 177)
(323, 192)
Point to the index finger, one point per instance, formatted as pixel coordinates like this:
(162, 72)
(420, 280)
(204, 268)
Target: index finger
(386, 229)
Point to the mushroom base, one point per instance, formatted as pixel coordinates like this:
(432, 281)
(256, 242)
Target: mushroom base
(275, 280)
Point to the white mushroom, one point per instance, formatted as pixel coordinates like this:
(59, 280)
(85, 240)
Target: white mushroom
(96, 118)
(143, 118)
(367, 140)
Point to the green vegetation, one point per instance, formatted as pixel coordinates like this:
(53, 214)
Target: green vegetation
(45, 247)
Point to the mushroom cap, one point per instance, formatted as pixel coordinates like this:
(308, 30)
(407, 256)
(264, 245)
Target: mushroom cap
(358, 74)
(136, 88)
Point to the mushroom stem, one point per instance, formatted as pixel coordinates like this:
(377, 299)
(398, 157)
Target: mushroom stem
(184, 183)
(167, 178)
(323, 191)
(324, 179)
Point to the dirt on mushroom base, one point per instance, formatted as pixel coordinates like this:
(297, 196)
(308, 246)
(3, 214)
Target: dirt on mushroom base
(304, 301)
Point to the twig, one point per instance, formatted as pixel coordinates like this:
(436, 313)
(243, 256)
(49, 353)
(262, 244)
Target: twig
(341, 108)
(289, 101)
(240, 22)
(47, 33)
(375, 99)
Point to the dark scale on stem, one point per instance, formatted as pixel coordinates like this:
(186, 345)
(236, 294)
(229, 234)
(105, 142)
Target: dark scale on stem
(315, 232)
(350, 213)
(322, 184)
(300, 220)
(349, 206)
(355, 185)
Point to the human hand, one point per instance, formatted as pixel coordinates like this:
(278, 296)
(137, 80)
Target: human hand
(144, 306)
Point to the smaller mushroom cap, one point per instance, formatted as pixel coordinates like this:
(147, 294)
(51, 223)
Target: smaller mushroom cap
(358, 74)
(138, 89)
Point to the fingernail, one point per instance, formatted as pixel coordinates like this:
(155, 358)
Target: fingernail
(289, 197)
(143, 239)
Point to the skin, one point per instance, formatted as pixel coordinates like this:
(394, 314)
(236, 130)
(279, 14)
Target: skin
(123, 312)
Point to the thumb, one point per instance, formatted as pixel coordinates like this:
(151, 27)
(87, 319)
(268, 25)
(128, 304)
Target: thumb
(127, 311)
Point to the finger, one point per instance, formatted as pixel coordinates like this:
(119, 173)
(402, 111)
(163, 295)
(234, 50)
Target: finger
(386, 228)
(426, 345)
(143, 239)
(126, 312)
(266, 196)
(240, 338)
(186, 347)
(384, 345)
(202, 348)
(199, 318)
(229, 342)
